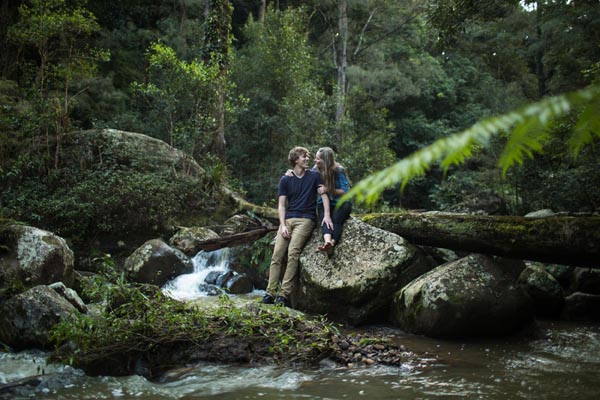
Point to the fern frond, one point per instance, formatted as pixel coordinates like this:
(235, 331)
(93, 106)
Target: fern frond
(529, 128)
(586, 128)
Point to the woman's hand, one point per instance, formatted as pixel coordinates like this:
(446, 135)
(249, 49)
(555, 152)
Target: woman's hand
(321, 189)
(289, 172)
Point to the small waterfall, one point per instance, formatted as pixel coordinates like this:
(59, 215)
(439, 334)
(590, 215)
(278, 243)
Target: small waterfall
(191, 286)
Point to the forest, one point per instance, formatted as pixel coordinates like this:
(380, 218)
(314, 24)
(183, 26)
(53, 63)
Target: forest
(237, 83)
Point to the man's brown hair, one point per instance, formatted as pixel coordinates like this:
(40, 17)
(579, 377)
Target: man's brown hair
(295, 154)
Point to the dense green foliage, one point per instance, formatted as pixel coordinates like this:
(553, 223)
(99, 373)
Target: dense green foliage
(236, 89)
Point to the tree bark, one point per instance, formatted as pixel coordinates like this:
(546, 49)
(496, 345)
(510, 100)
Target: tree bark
(558, 239)
(341, 65)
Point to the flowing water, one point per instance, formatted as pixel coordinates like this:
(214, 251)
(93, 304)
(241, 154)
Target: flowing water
(557, 360)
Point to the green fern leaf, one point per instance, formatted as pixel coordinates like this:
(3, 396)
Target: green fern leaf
(528, 127)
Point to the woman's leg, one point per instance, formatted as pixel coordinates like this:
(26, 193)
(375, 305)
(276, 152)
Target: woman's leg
(340, 215)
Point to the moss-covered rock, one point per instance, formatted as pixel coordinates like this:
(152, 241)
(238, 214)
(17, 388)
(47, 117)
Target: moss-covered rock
(187, 239)
(156, 263)
(31, 257)
(112, 186)
(467, 297)
(356, 283)
(544, 290)
(27, 318)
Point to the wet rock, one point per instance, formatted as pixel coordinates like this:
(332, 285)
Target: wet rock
(156, 263)
(468, 297)
(211, 277)
(239, 284)
(223, 278)
(210, 290)
(26, 319)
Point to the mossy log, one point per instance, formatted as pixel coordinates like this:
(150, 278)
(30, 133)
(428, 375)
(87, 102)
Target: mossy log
(557, 239)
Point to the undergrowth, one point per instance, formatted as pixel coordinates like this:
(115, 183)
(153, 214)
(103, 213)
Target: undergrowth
(139, 321)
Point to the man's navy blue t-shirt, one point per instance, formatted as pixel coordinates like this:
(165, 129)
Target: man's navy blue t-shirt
(301, 194)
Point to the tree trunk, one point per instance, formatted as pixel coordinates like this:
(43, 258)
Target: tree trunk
(341, 64)
(561, 240)
(539, 54)
(262, 11)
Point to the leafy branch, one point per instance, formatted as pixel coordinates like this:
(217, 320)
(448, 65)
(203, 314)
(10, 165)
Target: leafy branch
(529, 129)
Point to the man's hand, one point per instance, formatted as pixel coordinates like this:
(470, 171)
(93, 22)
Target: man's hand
(284, 231)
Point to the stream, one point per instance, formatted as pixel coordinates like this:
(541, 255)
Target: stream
(555, 360)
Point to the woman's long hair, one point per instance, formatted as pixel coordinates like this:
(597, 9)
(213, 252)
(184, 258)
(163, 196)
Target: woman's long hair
(328, 168)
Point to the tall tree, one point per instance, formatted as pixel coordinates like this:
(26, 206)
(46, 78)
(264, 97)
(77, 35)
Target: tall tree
(341, 63)
(59, 35)
(216, 48)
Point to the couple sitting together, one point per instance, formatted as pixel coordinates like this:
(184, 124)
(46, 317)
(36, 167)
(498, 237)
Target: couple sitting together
(305, 196)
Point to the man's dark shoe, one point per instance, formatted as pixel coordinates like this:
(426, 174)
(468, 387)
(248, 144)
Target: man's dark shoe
(280, 300)
(267, 299)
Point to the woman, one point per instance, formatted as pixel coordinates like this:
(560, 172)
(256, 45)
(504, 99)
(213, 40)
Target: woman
(336, 184)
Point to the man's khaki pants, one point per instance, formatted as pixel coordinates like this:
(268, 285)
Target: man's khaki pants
(300, 230)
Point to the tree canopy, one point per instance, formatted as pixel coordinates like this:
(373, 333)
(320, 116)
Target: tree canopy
(430, 102)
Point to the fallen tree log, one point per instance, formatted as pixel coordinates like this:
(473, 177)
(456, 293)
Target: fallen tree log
(233, 240)
(558, 239)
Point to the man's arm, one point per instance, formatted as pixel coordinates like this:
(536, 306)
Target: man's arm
(326, 209)
(281, 203)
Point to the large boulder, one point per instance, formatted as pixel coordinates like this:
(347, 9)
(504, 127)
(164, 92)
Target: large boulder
(156, 262)
(187, 239)
(355, 285)
(30, 256)
(26, 319)
(472, 296)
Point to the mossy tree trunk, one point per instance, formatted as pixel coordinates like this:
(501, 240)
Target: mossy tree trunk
(560, 240)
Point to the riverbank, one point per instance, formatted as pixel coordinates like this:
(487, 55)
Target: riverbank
(561, 361)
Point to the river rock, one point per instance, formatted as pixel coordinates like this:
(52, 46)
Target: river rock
(70, 295)
(239, 284)
(33, 257)
(26, 319)
(357, 282)
(156, 263)
(187, 239)
(211, 277)
(223, 278)
(468, 297)
(545, 291)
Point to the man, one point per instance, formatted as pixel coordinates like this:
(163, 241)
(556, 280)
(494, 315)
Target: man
(296, 223)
